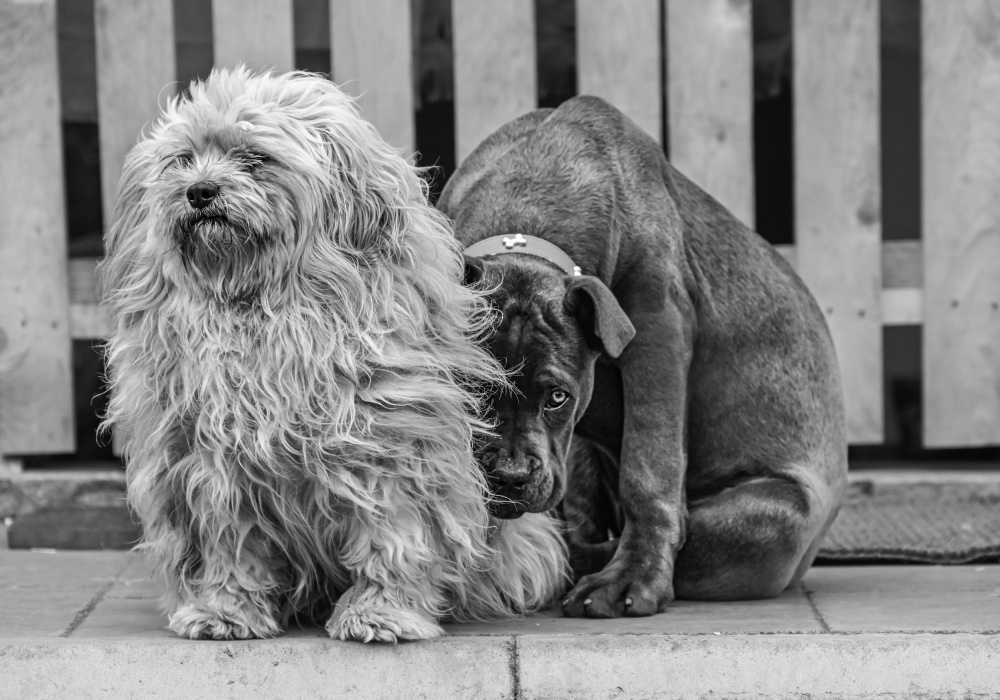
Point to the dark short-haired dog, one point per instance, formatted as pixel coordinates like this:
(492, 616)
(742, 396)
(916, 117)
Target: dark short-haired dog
(717, 431)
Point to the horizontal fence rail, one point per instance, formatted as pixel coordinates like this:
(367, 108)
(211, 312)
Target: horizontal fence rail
(901, 298)
(682, 69)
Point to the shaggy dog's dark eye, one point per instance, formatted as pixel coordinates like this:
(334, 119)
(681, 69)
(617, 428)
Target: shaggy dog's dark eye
(255, 159)
(183, 160)
(556, 399)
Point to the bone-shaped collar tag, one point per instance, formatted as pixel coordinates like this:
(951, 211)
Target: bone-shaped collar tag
(518, 240)
(528, 245)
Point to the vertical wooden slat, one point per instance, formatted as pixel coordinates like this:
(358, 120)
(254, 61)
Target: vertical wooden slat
(961, 215)
(710, 98)
(372, 59)
(495, 71)
(36, 402)
(618, 57)
(135, 72)
(837, 190)
(257, 33)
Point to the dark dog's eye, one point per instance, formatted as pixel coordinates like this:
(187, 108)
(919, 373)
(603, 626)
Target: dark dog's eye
(557, 398)
(183, 160)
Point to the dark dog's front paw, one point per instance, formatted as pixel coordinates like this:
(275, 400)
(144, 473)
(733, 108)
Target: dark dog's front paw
(616, 591)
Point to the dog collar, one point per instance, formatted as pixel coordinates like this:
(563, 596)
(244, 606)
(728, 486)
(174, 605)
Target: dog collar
(530, 245)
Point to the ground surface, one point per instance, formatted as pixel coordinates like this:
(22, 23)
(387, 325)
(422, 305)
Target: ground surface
(86, 624)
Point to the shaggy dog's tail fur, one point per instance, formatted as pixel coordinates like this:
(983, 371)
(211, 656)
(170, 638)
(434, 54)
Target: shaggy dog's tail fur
(296, 376)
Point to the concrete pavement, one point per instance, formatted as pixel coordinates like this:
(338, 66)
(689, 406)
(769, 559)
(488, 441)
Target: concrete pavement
(86, 624)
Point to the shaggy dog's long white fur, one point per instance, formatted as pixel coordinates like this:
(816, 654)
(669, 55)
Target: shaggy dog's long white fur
(292, 364)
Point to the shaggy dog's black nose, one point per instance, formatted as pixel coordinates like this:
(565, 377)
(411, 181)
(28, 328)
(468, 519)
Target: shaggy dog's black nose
(201, 194)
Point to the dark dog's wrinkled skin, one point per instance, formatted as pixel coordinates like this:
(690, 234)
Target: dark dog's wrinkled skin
(551, 330)
(716, 446)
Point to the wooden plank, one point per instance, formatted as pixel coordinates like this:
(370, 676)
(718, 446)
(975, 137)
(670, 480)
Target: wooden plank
(710, 98)
(135, 72)
(257, 33)
(961, 218)
(495, 72)
(837, 191)
(373, 60)
(619, 38)
(902, 306)
(36, 395)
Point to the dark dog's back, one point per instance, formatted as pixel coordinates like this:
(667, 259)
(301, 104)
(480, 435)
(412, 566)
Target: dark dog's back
(750, 309)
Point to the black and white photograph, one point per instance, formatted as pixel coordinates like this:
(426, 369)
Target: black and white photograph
(500, 349)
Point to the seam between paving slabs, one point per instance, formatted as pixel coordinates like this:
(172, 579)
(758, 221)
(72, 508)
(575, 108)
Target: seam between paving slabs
(812, 604)
(514, 663)
(92, 604)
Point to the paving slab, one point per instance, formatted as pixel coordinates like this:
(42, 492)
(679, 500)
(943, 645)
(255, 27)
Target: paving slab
(88, 569)
(790, 612)
(33, 612)
(928, 579)
(42, 593)
(88, 624)
(907, 598)
(135, 581)
(282, 668)
(909, 611)
(780, 666)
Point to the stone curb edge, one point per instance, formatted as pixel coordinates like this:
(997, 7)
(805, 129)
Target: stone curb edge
(517, 667)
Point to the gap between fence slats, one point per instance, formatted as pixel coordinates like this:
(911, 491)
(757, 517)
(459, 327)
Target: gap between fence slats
(837, 191)
(710, 98)
(257, 33)
(961, 215)
(618, 58)
(372, 58)
(36, 401)
(495, 71)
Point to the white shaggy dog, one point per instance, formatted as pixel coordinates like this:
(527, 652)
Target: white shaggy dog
(294, 371)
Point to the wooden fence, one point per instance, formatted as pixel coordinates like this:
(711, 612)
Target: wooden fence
(949, 281)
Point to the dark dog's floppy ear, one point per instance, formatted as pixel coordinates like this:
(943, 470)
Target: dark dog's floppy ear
(473, 270)
(597, 310)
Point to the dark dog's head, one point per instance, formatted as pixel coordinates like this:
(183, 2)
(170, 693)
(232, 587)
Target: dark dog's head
(551, 330)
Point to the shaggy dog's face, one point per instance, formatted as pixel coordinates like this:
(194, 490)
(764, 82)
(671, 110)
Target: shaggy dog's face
(223, 194)
(237, 179)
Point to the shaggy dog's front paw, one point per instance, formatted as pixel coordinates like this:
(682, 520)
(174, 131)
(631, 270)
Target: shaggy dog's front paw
(362, 621)
(197, 623)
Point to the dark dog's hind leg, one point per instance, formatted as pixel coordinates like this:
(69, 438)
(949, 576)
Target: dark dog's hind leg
(748, 541)
(590, 507)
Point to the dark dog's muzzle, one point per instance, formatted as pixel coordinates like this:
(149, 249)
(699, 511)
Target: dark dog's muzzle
(517, 485)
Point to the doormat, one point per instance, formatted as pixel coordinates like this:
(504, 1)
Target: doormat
(916, 523)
